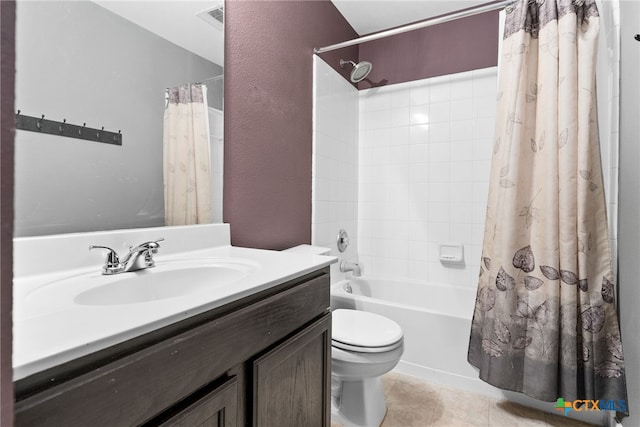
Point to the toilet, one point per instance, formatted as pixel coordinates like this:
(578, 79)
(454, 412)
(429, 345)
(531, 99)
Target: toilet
(364, 346)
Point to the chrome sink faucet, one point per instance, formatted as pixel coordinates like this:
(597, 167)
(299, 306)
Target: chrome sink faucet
(138, 258)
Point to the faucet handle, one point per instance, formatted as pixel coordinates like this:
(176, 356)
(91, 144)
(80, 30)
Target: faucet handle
(151, 245)
(155, 242)
(112, 263)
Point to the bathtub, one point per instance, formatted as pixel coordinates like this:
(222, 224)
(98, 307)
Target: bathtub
(435, 318)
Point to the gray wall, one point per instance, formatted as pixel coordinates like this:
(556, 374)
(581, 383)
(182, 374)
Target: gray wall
(629, 199)
(78, 61)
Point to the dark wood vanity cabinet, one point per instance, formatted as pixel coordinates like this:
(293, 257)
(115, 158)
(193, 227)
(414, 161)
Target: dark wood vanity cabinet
(286, 380)
(264, 360)
(218, 408)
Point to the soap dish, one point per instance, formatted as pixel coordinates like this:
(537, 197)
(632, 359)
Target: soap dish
(452, 254)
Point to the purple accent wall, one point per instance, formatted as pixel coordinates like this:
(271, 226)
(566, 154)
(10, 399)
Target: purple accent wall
(7, 76)
(453, 47)
(268, 115)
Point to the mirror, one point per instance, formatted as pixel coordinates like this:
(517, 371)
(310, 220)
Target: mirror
(108, 64)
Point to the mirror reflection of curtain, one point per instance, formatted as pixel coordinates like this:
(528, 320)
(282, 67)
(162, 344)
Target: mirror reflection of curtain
(186, 156)
(216, 123)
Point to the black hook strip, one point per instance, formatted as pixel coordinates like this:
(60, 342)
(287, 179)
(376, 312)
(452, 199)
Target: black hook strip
(42, 125)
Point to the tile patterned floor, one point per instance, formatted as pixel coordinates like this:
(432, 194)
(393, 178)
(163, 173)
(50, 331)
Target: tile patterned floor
(412, 402)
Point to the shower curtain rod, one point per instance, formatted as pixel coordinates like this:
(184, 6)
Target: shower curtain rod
(218, 77)
(221, 76)
(418, 25)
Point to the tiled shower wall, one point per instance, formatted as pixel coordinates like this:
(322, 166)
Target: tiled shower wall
(335, 163)
(425, 154)
(422, 165)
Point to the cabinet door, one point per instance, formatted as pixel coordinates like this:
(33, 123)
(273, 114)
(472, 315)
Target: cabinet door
(292, 382)
(218, 408)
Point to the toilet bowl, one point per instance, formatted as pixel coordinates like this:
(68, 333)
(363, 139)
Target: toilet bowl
(364, 346)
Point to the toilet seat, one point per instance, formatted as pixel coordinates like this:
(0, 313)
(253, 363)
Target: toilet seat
(359, 349)
(364, 332)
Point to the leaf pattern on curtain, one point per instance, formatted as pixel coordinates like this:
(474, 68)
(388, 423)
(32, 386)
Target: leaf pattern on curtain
(545, 322)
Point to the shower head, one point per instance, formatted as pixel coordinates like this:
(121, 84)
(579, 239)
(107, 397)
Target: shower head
(360, 70)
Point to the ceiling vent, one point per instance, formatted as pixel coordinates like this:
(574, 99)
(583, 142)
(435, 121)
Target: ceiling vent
(213, 16)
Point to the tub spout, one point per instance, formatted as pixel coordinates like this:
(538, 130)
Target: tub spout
(354, 267)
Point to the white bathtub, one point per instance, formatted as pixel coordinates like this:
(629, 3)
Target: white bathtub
(436, 320)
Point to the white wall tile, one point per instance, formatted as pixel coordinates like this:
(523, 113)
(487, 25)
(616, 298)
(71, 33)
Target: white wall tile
(406, 168)
(439, 192)
(462, 191)
(484, 106)
(419, 134)
(461, 171)
(439, 89)
(419, 95)
(440, 112)
(482, 149)
(461, 86)
(419, 114)
(399, 135)
(481, 170)
(478, 212)
(462, 109)
(411, 199)
(418, 250)
(418, 270)
(439, 172)
(418, 210)
(439, 152)
(461, 130)
(460, 212)
(480, 191)
(418, 229)
(418, 172)
(483, 128)
(418, 153)
(439, 132)
(337, 118)
(438, 273)
(401, 97)
(400, 116)
(439, 212)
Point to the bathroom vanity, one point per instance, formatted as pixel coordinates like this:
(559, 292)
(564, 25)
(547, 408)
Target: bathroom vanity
(259, 356)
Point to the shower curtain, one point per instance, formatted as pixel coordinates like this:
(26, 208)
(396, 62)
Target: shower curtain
(186, 157)
(545, 319)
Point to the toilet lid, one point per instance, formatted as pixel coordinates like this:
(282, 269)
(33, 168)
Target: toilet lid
(364, 329)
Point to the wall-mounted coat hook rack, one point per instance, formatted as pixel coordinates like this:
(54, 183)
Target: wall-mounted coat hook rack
(39, 122)
(42, 125)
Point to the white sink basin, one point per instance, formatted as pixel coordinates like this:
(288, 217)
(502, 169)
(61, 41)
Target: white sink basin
(168, 279)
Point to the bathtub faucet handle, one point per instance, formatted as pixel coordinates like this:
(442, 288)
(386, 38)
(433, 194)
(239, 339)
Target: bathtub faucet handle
(354, 267)
(343, 241)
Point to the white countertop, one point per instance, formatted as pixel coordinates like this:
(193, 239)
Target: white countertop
(49, 332)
